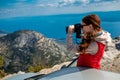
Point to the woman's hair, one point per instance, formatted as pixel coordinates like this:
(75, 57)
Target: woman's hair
(92, 19)
(89, 36)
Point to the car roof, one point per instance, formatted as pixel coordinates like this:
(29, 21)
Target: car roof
(85, 74)
(90, 74)
(71, 73)
(21, 76)
(62, 72)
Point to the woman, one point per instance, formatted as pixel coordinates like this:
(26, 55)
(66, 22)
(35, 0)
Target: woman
(93, 42)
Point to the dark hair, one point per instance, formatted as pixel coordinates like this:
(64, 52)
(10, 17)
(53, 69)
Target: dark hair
(89, 36)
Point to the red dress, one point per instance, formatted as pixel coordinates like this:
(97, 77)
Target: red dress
(92, 61)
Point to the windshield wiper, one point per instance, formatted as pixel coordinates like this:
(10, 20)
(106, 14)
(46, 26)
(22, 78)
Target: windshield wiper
(35, 77)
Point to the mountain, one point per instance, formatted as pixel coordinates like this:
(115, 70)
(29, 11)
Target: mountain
(2, 33)
(23, 49)
(109, 62)
(107, 16)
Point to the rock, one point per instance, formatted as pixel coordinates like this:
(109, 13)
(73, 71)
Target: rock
(25, 48)
(111, 58)
(54, 68)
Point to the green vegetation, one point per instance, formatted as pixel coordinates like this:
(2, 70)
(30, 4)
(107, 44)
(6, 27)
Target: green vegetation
(1, 61)
(2, 73)
(36, 68)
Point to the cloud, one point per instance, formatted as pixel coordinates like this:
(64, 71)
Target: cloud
(16, 8)
(83, 2)
(52, 3)
(68, 3)
(64, 3)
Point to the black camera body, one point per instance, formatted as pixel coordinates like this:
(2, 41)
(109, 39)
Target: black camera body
(77, 30)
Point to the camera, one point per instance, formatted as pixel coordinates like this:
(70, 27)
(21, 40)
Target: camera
(77, 30)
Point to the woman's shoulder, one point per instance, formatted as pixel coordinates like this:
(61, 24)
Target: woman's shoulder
(92, 48)
(104, 37)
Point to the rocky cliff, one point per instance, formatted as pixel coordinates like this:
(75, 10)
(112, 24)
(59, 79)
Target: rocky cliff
(22, 49)
(111, 58)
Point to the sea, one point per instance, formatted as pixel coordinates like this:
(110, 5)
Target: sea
(54, 26)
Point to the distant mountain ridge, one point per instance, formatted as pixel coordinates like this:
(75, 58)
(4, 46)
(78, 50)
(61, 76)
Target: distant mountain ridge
(22, 49)
(104, 15)
(2, 33)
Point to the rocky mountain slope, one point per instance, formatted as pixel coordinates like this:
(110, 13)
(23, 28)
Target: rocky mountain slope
(23, 49)
(110, 60)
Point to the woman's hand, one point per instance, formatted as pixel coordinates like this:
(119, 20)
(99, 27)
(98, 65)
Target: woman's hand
(71, 29)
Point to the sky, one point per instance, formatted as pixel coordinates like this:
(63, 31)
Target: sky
(20, 8)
